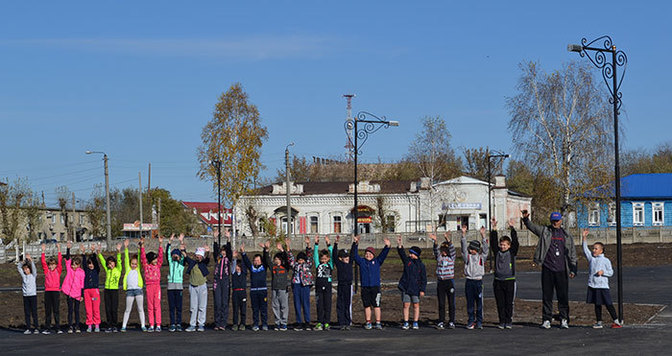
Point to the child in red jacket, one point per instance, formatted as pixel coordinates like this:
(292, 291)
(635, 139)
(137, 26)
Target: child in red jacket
(52, 289)
(72, 288)
(151, 264)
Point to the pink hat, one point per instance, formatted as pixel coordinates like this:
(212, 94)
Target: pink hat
(371, 249)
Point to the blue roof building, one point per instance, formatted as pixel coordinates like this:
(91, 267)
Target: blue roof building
(646, 201)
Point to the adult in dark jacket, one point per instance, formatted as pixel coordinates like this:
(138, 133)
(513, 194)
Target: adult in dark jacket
(413, 282)
(556, 254)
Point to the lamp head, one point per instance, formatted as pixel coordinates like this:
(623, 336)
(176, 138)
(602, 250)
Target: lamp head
(575, 48)
(88, 152)
(393, 123)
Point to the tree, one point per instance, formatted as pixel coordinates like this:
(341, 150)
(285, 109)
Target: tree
(560, 125)
(95, 211)
(644, 161)
(13, 198)
(234, 136)
(545, 197)
(63, 196)
(476, 163)
(33, 212)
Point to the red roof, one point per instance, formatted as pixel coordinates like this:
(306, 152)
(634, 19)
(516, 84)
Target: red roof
(208, 212)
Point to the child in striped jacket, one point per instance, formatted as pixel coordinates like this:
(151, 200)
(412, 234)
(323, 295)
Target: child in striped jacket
(445, 274)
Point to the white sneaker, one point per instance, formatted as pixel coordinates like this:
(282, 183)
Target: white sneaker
(597, 325)
(546, 324)
(564, 324)
(27, 332)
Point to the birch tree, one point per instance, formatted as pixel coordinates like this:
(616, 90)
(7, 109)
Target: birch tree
(560, 124)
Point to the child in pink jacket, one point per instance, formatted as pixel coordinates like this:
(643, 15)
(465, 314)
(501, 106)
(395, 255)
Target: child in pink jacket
(52, 288)
(151, 264)
(72, 288)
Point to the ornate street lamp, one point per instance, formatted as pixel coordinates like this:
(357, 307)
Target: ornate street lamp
(609, 65)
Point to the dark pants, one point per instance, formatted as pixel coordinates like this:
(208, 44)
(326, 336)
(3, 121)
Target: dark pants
(239, 306)
(323, 297)
(52, 305)
(111, 307)
(344, 304)
(559, 281)
(259, 299)
(505, 292)
(73, 312)
(301, 301)
(221, 297)
(445, 289)
(175, 306)
(30, 309)
(474, 293)
(610, 309)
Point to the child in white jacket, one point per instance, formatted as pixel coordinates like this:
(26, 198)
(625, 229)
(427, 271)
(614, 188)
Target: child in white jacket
(598, 282)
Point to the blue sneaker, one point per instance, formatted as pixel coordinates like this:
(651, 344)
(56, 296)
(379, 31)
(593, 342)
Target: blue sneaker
(415, 325)
(405, 326)
(368, 326)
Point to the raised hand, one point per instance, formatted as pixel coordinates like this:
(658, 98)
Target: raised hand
(356, 238)
(160, 240)
(432, 237)
(493, 222)
(585, 234)
(267, 245)
(399, 240)
(142, 242)
(317, 239)
(525, 214)
(307, 241)
(181, 238)
(207, 248)
(58, 247)
(482, 231)
(28, 257)
(242, 248)
(118, 246)
(235, 254)
(69, 244)
(338, 237)
(216, 233)
(464, 230)
(172, 236)
(446, 236)
(386, 240)
(512, 223)
(227, 234)
(327, 240)
(126, 243)
(44, 248)
(279, 246)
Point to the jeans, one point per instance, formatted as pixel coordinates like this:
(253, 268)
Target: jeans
(474, 292)
(301, 301)
(259, 307)
(175, 306)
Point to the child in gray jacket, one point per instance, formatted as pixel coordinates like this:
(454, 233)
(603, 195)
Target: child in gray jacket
(29, 288)
(474, 254)
(598, 282)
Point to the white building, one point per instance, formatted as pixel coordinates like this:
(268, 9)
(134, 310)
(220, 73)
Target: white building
(393, 206)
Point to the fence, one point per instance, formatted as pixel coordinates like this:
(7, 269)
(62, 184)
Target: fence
(11, 251)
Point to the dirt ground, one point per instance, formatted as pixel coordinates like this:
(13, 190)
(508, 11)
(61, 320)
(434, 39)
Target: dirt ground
(525, 312)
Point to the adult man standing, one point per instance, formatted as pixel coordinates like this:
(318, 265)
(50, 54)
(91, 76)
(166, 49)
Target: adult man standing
(556, 254)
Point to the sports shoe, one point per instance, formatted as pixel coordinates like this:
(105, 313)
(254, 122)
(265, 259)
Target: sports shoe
(440, 326)
(97, 329)
(27, 332)
(71, 330)
(264, 328)
(378, 326)
(201, 329)
(108, 330)
(78, 330)
(327, 326)
(144, 329)
(405, 326)
(318, 327)
(46, 332)
(171, 328)
(123, 329)
(415, 325)
(190, 329)
(89, 329)
(616, 325)
(36, 332)
(298, 327)
(255, 328)
(479, 326)
(282, 327)
(597, 325)
(178, 327)
(158, 329)
(470, 326)
(307, 326)
(59, 331)
(546, 324)
(508, 326)
(242, 327)
(451, 325)
(150, 329)
(564, 324)
(368, 326)
(234, 327)
(501, 326)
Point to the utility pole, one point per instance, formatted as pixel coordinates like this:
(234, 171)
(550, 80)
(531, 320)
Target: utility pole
(288, 191)
(158, 218)
(140, 198)
(74, 231)
(107, 196)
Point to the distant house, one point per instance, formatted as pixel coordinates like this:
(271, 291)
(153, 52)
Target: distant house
(208, 213)
(646, 201)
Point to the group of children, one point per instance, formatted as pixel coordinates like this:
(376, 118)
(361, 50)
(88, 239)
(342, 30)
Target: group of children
(312, 267)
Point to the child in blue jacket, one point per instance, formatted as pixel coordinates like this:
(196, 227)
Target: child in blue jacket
(369, 271)
(413, 282)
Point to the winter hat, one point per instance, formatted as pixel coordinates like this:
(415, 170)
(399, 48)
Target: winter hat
(278, 255)
(200, 252)
(151, 256)
(175, 252)
(474, 245)
(371, 249)
(343, 253)
(301, 256)
(415, 250)
(555, 216)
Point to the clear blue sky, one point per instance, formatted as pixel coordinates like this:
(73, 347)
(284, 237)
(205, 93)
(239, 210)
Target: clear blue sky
(139, 79)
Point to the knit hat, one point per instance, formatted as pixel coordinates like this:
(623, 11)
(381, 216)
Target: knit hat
(343, 253)
(415, 250)
(371, 249)
(474, 245)
(151, 256)
(200, 252)
(175, 251)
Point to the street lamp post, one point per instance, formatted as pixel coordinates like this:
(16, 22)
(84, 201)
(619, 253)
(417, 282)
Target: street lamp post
(372, 123)
(218, 165)
(490, 157)
(107, 197)
(609, 67)
(288, 192)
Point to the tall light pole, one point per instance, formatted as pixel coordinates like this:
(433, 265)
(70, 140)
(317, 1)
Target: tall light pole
(107, 196)
(609, 67)
(490, 157)
(372, 123)
(218, 166)
(288, 191)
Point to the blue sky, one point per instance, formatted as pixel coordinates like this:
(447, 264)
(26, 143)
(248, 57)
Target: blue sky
(139, 80)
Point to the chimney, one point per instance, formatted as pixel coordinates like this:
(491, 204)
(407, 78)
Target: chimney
(500, 181)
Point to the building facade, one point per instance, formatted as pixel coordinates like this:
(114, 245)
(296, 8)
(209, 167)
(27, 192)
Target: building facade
(53, 224)
(384, 206)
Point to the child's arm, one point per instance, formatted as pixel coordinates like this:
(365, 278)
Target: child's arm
(383, 254)
(463, 243)
(331, 258)
(43, 258)
(316, 252)
(266, 256)
(354, 253)
(334, 253)
(494, 237)
(423, 279)
(514, 239)
(19, 267)
(101, 258)
(584, 245)
(400, 250)
(608, 270)
(435, 246)
(309, 252)
(484, 243)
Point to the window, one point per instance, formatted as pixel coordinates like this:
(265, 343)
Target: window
(53, 219)
(313, 225)
(284, 225)
(638, 214)
(658, 213)
(611, 215)
(594, 215)
(261, 226)
(389, 223)
(62, 219)
(337, 224)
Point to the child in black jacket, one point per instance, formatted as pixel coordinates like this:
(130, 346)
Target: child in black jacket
(504, 251)
(239, 292)
(413, 282)
(343, 263)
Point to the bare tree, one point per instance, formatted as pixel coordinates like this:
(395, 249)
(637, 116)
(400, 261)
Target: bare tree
(560, 125)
